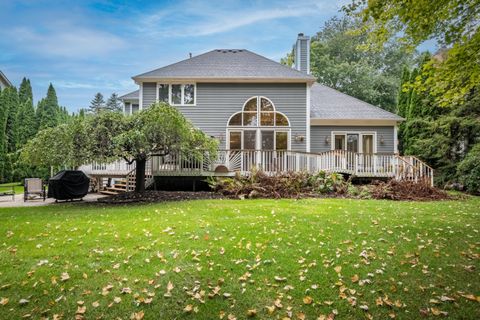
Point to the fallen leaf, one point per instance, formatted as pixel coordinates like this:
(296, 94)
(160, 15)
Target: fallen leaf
(65, 276)
(307, 300)
(3, 301)
(137, 315)
(251, 312)
(338, 269)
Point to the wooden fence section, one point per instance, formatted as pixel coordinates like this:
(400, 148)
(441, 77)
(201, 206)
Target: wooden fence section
(228, 162)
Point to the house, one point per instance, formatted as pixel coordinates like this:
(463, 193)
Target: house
(4, 82)
(269, 115)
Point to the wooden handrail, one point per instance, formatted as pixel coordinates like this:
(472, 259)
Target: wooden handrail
(244, 161)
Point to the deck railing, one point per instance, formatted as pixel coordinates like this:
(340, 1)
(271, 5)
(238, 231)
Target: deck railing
(226, 162)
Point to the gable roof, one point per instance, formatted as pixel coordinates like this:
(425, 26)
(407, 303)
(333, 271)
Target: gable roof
(227, 64)
(330, 104)
(130, 96)
(4, 79)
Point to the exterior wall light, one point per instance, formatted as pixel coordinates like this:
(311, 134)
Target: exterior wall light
(299, 138)
(327, 140)
(382, 140)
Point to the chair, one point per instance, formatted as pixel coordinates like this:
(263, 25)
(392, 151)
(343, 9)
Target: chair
(34, 187)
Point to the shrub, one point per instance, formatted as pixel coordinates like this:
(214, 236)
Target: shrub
(468, 170)
(323, 182)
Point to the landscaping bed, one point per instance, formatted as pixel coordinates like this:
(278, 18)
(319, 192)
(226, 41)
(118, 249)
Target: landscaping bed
(159, 196)
(322, 185)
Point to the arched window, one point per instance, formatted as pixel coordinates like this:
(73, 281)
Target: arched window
(258, 126)
(258, 112)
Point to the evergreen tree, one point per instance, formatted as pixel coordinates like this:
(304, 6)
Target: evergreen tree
(26, 114)
(97, 104)
(12, 119)
(114, 103)
(403, 93)
(3, 126)
(48, 114)
(25, 91)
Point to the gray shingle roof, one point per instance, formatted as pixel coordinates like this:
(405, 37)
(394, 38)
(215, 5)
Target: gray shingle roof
(130, 96)
(226, 64)
(328, 103)
(4, 79)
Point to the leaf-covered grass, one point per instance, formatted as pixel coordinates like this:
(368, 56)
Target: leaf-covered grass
(276, 258)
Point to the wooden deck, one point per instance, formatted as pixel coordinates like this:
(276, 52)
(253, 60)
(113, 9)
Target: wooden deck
(230, 162)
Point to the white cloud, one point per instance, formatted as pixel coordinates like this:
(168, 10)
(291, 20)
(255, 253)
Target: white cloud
(191, 20)
(68, 41)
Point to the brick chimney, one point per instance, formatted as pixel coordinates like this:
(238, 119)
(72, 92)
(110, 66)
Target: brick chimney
(301, 51)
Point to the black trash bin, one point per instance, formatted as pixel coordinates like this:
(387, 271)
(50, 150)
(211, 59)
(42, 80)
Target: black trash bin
(68, 185)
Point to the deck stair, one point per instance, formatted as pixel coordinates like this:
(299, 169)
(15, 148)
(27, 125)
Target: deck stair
(118, 187)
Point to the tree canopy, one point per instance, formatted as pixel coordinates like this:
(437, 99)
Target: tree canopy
(108, 136)
(453, 23)
(338, 61)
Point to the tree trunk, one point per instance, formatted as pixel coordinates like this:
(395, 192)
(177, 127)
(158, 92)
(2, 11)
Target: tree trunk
(140, 174)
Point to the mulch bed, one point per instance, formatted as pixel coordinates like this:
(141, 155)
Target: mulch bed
(159, 196)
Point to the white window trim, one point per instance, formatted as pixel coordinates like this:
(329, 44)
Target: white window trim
(258, 128)
(360, 139)
(275, 111)
(308, 108)
(140, 98)
(182, 88)
(258, 136)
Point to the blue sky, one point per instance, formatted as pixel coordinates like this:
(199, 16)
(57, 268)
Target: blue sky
(84, 47)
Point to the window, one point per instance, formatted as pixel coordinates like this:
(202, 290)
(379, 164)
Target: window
(258, 126)
(188, 94)
(177, 94)
(163, 93)
(362, 142)
(264, 116)
(135, 107)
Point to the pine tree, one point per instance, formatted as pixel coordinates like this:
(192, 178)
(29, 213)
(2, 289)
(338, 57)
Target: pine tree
(113, 103)
(47, 116)
(26, 114)
(97, 104)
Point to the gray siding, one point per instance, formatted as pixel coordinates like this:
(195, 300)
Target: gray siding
(318, 134)
(303, 56)
(149, 93)
(216, 102)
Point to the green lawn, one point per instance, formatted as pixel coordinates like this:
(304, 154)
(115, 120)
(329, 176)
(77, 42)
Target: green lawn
(296, 259)
(8, 186)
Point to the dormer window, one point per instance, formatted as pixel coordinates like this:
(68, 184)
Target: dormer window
(177, 94)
